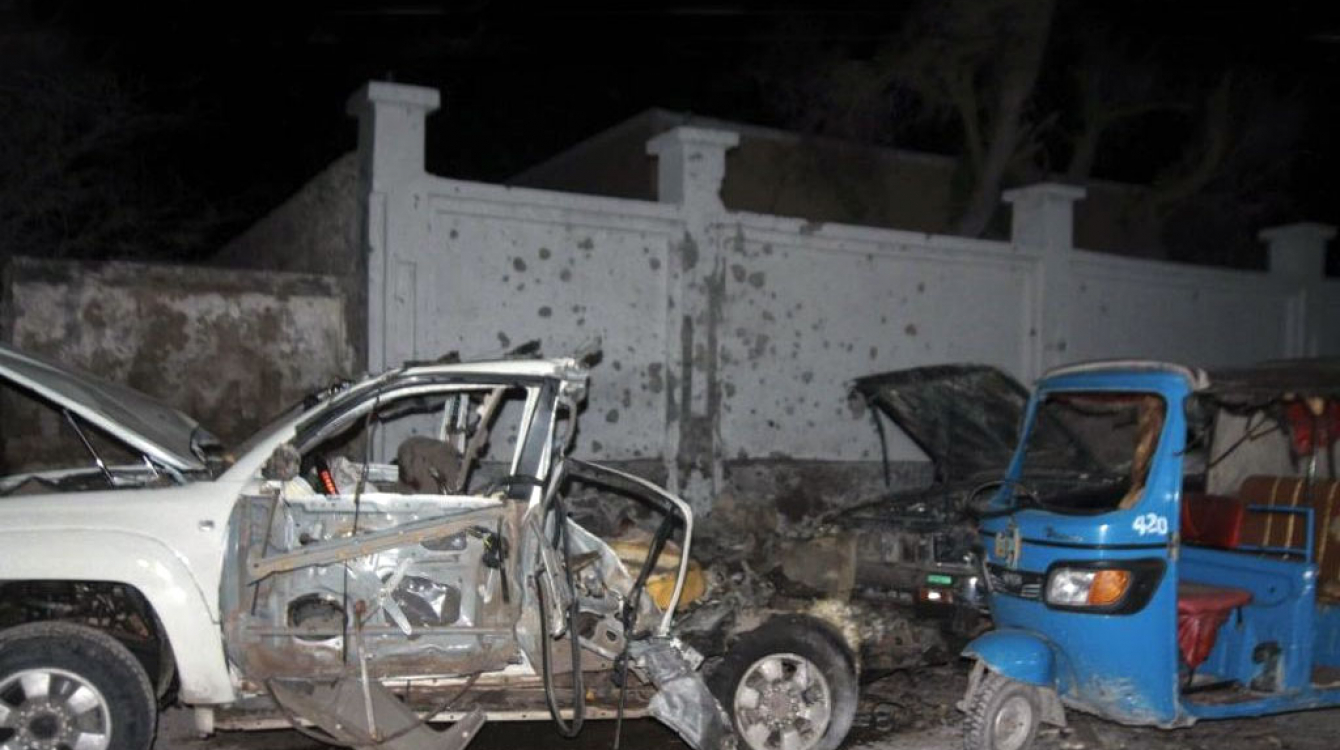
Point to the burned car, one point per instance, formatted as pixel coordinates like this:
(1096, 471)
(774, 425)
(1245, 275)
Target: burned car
(388, 553)
(917, 546)
(883, 583)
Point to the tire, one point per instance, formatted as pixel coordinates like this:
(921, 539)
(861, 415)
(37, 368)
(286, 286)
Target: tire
(790, 677)
(1003, 714)
(69, 687)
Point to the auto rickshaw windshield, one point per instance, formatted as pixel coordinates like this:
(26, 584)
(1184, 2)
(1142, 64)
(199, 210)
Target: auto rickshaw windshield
(1106, 467)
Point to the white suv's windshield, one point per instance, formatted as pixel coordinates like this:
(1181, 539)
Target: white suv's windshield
(45, 448)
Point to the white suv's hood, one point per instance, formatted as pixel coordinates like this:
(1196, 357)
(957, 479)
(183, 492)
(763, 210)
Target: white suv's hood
(142, 422)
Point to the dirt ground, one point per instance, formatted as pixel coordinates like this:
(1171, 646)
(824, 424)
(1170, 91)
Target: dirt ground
(904, 711)
(915, 711)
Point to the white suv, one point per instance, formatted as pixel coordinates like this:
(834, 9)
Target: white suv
(364, 564)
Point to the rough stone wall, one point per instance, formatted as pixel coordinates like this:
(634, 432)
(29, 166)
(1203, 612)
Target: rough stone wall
(230, 348)
(314, 232)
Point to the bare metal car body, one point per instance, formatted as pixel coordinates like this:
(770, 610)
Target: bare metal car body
(357, 568)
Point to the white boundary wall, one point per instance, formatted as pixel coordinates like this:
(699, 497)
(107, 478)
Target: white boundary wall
(730, 336)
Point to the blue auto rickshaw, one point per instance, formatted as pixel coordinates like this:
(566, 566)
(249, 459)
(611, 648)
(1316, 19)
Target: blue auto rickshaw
(1164, 548)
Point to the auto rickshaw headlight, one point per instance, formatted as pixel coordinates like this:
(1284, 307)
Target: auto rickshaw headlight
(1070, 587)
(1078, 587)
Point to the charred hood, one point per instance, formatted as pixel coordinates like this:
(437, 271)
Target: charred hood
(965, 417)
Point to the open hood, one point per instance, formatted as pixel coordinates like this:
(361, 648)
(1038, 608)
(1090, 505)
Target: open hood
(149, 426)
(965, 417)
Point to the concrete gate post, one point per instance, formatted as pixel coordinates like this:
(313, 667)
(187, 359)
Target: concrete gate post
(1043, 223)
(1297, 257)
(391, 166)
(691, 165)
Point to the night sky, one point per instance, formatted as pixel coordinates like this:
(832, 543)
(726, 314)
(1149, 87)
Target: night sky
(249, 98)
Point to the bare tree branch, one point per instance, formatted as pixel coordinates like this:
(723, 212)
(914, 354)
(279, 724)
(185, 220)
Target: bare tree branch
(1021, 61)
(1199, 168)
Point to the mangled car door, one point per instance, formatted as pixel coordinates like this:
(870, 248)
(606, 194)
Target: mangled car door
(381, 542)
(586, 612)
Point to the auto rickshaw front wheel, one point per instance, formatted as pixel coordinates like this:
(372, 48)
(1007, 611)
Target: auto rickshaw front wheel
(1003, 714)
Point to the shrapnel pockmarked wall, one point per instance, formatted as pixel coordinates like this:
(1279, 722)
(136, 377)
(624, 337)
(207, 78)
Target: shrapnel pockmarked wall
(729, 337)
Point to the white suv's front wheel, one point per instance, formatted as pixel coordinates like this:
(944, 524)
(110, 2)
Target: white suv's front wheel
(69, 687)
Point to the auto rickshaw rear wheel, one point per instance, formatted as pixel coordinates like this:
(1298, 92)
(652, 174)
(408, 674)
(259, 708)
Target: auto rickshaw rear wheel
(1003, 714)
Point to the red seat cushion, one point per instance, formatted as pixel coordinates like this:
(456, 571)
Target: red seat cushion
(1201, 609)
(1202, 598)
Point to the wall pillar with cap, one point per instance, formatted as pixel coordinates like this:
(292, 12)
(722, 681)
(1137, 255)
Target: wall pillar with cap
(1043, 223)
(391, 137)
(1296, 256)
(690, 169)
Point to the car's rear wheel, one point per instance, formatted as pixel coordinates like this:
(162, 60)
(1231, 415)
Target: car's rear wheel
(789, 685)
(69, 687)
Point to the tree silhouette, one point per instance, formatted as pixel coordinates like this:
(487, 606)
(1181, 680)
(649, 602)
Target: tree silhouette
(1022, 90)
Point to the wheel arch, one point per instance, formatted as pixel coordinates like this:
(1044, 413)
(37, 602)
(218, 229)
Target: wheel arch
(146, 566)
(847, 643)
(1017, 654)
(117, 609)
(829, 630)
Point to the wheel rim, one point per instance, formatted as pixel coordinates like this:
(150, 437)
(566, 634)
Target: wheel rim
(52, 709)
(783, 703)
(1012, 723)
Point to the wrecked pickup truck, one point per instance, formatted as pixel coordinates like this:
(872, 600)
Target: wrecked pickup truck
(355, 570)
